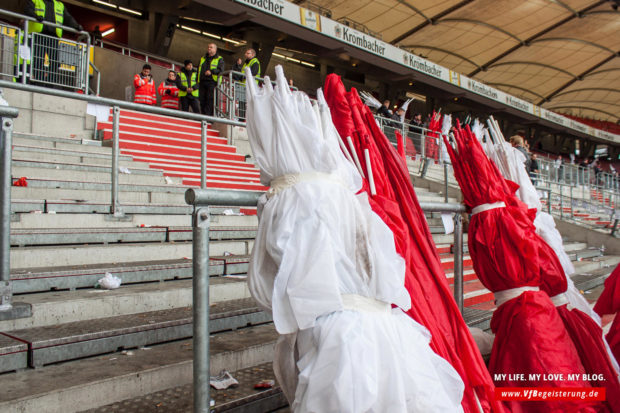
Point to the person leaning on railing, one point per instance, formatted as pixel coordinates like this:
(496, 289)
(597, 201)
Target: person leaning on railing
(187, 82)
(169, 91)
(45, 57)
(209, 69)
(144, 87)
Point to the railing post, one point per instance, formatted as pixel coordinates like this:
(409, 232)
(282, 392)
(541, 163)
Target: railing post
(561, 202)
(458, 261)
(6, 287)
(445, 182)
(203, 154)
(86, 68)
(115, 207)
(200, 287)
(572, 212)
(25, 45)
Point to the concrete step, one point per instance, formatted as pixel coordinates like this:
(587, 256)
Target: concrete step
(244, 398)
(23, 136)
(106, 235)
(53, 155)
(81, 206)
(73, 220)
(60, 307)
(46, 174)
(66, 255)
(136, 170)
(69, 341)
(94, 382)
(37, 279)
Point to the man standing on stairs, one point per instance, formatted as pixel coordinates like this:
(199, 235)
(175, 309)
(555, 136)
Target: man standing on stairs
(169, 92)
(45, 60)
(211, 65)
(187, 82)
(145, 87)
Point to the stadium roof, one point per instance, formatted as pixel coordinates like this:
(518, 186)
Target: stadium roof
(560, 54)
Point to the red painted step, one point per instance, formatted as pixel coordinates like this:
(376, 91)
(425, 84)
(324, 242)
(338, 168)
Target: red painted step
(173, 145)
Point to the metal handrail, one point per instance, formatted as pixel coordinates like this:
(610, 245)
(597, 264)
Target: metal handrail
(202, 199)
(7, 114)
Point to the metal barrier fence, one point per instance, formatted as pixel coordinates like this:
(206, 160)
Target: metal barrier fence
(230, 99)
(9, 45)
(203, 199)
(49, 60)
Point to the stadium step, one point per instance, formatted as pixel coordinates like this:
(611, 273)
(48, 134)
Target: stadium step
(66, 255)
(69, 341)
(60, 307)
(173, 145)
(97, 381)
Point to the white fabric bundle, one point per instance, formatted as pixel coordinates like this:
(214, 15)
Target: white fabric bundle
(326, 266)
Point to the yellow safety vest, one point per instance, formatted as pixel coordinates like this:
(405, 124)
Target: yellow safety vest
(214, 63)
(39, 10)
(250, 64)
(192, 84)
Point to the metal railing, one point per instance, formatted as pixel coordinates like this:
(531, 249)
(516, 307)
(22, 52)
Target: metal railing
(7, 114)
(116, 207)
(9, 46)
(230, 98)
(43, 59)
(201, 200)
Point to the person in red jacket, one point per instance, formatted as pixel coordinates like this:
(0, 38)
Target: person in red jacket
(169, 92)
(145, 87)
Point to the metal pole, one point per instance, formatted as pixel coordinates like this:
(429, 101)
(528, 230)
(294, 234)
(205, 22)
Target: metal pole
(25, 45)
(458, 261)
(445, 182)
(6, 288)
(200, 286)
(87, 67)
(114, 203)
(561, 202)
(572, 212)
(203, 154)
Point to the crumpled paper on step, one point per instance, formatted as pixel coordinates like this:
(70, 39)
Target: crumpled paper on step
(223, 381)
(109, 282)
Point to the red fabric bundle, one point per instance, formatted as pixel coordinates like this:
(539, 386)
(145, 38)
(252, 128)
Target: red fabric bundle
(396, 203)
(530, 336)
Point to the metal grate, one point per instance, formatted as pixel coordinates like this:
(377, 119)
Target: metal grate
(58, 62)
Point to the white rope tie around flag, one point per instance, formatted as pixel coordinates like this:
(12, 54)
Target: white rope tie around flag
(486, 207)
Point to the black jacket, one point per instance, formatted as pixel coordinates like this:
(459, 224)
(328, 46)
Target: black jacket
(188, 75)
(384, 112)
(68, 20)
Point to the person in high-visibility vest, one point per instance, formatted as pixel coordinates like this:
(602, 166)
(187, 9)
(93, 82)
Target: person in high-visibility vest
(145, 87)
(252, 62)
(211, 65)
(45, 54)
(187, 82)
(169, 91)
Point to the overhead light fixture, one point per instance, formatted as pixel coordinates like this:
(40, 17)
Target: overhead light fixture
(293, 59)
(109, 31)
(136, 12)
(278, 55)
(215, 36)
(308, 64)
(226, 39)
(191, 29)
(410, 83)
(105, 3)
